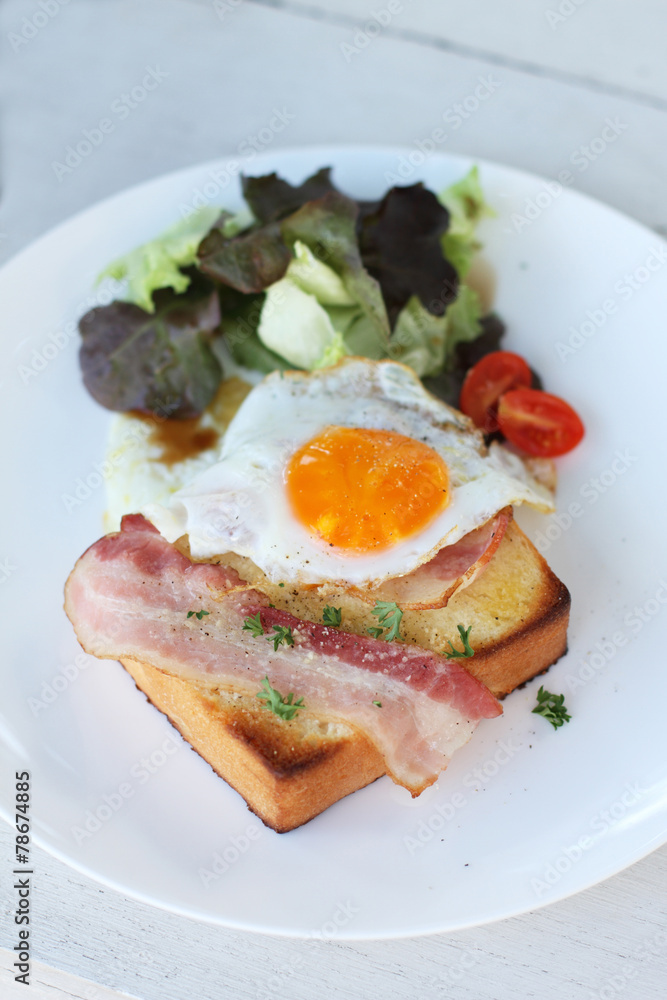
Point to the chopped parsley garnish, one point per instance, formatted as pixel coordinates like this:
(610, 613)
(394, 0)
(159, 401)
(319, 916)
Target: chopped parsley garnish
(552, 707)
(198, 614)
(454, 654)
(375, 631)
(389, 615)
(332, 616)
(253, 625)
(282, 634)
(378, 703)
(274, 701)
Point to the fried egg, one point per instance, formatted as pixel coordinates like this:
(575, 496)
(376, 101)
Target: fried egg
(352, 475)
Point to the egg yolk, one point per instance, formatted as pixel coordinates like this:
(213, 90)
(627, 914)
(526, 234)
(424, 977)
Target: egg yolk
(366, 490)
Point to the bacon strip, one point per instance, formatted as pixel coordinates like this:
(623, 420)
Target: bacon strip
(453, 568)
(129, 595)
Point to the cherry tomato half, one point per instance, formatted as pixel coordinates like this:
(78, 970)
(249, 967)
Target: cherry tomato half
(486, 382)
(539, 423)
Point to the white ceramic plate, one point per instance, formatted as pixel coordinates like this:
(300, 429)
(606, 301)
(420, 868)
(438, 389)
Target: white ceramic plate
(525, 815)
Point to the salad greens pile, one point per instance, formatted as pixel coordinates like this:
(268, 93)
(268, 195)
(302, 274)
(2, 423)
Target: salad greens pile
(302, 277)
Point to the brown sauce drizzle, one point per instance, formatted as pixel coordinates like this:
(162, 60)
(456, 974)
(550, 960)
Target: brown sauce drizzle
(182, 439)
(178, 439)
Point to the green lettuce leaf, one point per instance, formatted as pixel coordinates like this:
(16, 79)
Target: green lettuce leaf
(157, 264)
(426, 342)
(305, 313)
(333, 352)
(419, 338)
(463, 320)
(240, 319)
(467, 206)
(160, 362)
(466, 353)
(361, 338)
(327, 227)
(250, 352)
(294, 325)
(317, 278)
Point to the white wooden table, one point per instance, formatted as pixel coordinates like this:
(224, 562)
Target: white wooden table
(561, 69)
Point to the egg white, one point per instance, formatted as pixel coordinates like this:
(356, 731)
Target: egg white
(240, 504)
(137, 473)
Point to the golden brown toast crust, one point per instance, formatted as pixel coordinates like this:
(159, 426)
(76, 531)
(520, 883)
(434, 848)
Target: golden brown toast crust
(288, 772)
(286, 777)
(541, 616)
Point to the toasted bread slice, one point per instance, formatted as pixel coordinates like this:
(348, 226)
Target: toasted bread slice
(288, 772)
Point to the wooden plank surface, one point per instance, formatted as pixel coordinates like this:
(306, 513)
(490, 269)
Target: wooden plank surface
(607, 44)
(47, 983)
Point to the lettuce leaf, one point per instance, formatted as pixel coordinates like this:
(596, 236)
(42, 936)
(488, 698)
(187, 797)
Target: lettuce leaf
(466, 353)
(333, 352)
(466, 205)
(271, 198)
(317, 278)
(250, 352)
(327, 227)
(419, 338)
(400, 243)
(426, 342)
(248, 262)
(463, 320)
(358, 333)
(240, 315)
(157, 264)
(294, 325)
(159, 362)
